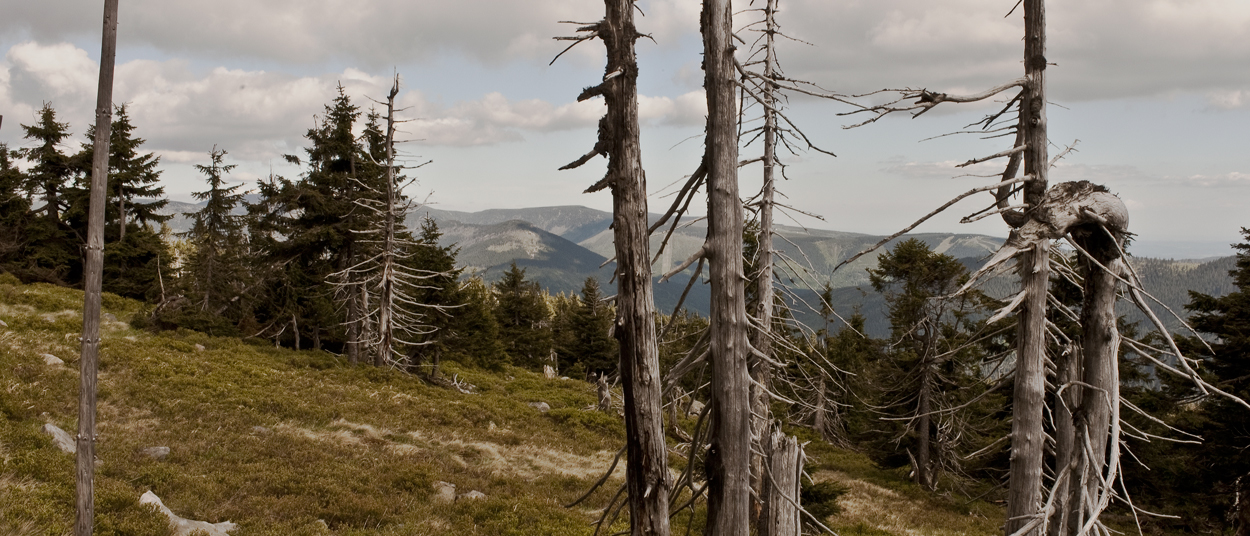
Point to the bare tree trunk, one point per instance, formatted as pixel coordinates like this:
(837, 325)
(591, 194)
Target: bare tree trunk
(121, 211)
(647, 458)
(1027, 437)
(729, 456)
(1068, 370)
(295, 329)
(353, 326)
(761, 338)
(784, 469)
(604, 393)
(386, 305)
(924, 476)
(1100, 345)
(93, 279)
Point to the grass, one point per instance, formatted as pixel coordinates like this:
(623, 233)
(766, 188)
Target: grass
(300, 443)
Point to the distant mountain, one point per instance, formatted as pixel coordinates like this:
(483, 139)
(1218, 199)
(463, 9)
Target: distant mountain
(561, 246)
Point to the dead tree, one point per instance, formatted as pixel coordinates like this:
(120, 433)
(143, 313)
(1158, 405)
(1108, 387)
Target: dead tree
(728, 459)
(782, 478)
(648, 481)
(92, 280)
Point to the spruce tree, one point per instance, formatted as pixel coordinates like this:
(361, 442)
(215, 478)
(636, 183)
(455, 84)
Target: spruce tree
(51, 253)
(14, 210)
(134, 193)
(215, 269)
(440, 295)
(593, 347)
(523, 319)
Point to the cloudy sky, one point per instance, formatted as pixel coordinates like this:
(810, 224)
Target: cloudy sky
(1157, 92)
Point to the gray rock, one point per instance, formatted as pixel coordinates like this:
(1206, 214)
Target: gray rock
(260, 430)
(51, 360)
(156, 453)
(471, 496)
(3, 325)
(61, 438)
(199, 347)
(696, 408)
(444, 491)
(184, 527)
(542, 407)
(109, 317)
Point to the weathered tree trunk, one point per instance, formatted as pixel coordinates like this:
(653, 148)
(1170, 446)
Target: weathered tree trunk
(604, 393)
(1100, 344)
(924, 474)
(647, 455)
(353, 327)
(1027, 437)
(761, 338)
(390, 245)
(121, 211)
(295, 330)
(93, 279)
(729, 456)
(1068, 370)
(783, 456)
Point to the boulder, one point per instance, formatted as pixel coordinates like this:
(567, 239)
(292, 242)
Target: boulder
(471, 496)
(61, 438)
(696, 408)
(3, 325)
(542, 407)
(199, 347)
(444, 491)
(156, 453)
(184, 527)
(109, 317)
(51, 360)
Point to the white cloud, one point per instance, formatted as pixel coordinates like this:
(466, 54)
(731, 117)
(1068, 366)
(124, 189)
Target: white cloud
(945, 169)
(1224, 180)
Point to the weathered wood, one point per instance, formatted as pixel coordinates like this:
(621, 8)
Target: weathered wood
(93, 268)
(783, 456)
(761, 338)
(729, 456)
(1068, 370)
(1024, 496)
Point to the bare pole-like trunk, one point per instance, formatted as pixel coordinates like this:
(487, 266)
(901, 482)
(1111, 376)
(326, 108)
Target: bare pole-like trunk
(761, 338)
(1024, 495)
(729, 456)
(93, 279)
(647, 456)
(924, 476)
(353, 327)
(386, 328)
(1100, 344)
(1068, 370)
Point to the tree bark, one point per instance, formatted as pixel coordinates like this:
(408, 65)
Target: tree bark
(729, 455)
(1027, 437)
(1068, 370)
(779, 515)
(924, 476)
(761, 338)
(93, 279)
(1100, 345)
(647, 455)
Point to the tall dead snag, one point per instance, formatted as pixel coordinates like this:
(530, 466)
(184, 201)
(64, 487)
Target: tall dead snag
(780, 511)
(93, 279)
(648, 481)
(728, 461)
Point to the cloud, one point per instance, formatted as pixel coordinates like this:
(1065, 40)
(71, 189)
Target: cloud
(945, 169)
(1226, 180)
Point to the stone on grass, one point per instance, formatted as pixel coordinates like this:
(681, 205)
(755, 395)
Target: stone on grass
(471, 496)
(696, 408)
(3, 325)
(444, 491)
(156, 453)
(61, 438)
(184, 527)
(542, 407)
(260, 430)
(199, 347)
(109, 317)
(51, 360)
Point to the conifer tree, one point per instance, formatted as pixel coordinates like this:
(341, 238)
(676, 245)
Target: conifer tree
(51, 253)
(217, 237)
(593, 347)
(441, 290)
(523, 319)
(478, 340)
(14, 210)
(133, 191)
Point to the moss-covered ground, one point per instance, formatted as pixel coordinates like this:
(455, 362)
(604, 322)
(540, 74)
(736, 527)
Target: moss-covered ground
(300, 443)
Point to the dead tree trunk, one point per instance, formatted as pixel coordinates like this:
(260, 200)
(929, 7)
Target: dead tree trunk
(93, 279)
(729, 456)
(390, 244)
(924, 474)
(1068, 370)
(761, 338)
(1100, 374)
(1027, 437)
(783, 456)
(647, 477)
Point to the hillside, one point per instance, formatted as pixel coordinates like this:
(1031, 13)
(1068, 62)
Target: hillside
(298, 443)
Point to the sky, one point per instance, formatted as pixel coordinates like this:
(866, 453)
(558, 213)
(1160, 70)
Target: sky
(1156, 91)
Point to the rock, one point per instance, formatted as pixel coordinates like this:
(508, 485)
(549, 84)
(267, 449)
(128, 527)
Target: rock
(109, 317)
(51, 360)
(184, 527)
(3, 325)
(542, 407)
(61, 438)
(696, 408)
(156, 453)
(199, 347)
(444, 491)
(471, 496)
(260, 430)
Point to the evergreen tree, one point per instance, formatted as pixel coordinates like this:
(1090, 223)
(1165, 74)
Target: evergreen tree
(439, 294)
(51, 253)
(523, 319)
(14, 210)
(477, 339)
(593, 347)
(134, 194)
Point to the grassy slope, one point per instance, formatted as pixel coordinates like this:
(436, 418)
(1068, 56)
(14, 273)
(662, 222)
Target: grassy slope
(339, 450)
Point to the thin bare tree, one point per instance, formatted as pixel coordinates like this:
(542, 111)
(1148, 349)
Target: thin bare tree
(92, 280)
(647, 477)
